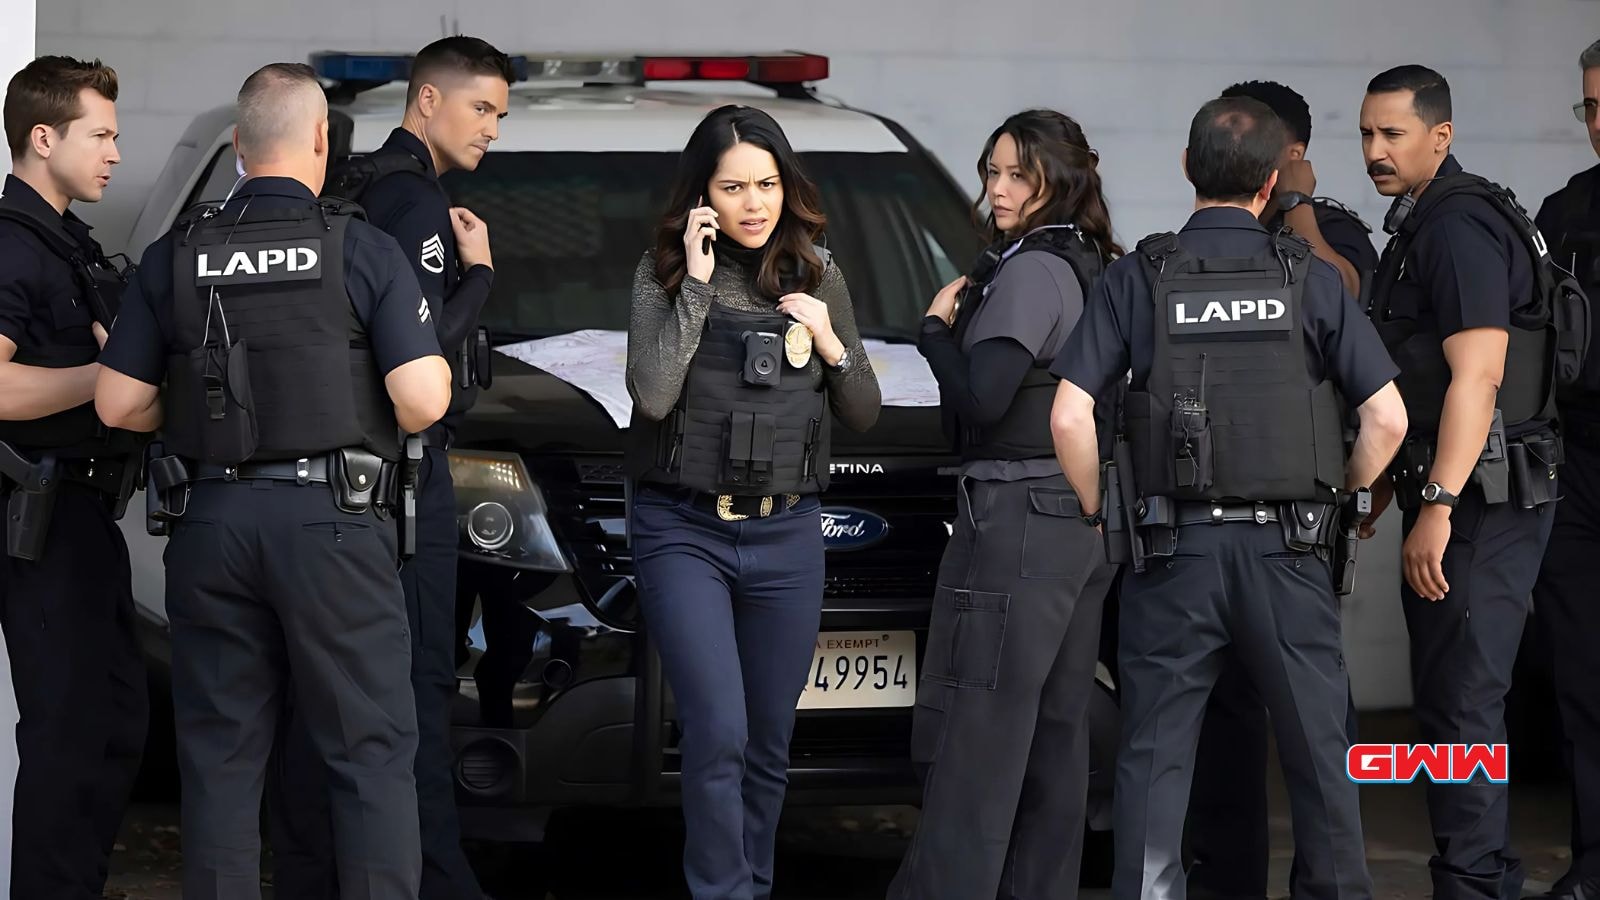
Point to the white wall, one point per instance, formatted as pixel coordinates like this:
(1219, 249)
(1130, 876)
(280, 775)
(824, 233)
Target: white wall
(1132, 71)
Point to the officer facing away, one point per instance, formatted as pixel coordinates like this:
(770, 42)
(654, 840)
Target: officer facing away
(65, 585)
(295, 344)
(1228, 809)
(1455, 302)
(459, 92)
(1240, 343)
(1563, 596)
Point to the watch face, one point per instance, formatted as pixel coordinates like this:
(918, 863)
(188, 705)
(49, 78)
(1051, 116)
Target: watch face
(1430, 492)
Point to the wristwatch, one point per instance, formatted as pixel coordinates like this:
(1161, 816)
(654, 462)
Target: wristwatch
(1095, 520)
(843, 365)
(1290, 199)
(1433, 492)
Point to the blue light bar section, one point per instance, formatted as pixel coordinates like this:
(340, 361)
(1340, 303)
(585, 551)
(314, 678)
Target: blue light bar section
(380, 68)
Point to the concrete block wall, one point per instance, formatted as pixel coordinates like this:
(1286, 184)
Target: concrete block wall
(1133, 72)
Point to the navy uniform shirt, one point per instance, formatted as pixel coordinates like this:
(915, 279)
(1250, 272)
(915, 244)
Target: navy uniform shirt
(1117, 331)
(384, 294)
(41, 303)
(414, 208)
(1469, 266)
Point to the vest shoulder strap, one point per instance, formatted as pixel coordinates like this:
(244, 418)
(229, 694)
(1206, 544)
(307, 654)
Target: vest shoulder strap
(57, 242)
(356, 174)
(1339, 209)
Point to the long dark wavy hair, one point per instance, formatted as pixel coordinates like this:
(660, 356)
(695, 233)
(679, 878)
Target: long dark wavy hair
(789, 262)
(1063, 167)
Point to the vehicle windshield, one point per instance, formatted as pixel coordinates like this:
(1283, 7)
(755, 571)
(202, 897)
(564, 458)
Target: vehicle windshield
(568, 230)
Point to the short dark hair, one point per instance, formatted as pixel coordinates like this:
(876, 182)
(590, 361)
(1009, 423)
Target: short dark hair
(1430, 93)
(46, 91)
(1234, 146)
(459, 55)
(1284, 102)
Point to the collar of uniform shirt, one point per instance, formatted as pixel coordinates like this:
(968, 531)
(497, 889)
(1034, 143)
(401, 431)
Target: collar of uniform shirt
(22, 195)
(275, 191)
(401, 139)
(1223, 217)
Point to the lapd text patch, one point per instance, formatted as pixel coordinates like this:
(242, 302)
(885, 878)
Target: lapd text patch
(259, 263)
(1212, 312)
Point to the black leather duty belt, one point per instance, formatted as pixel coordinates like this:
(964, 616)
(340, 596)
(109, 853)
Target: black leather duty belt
(1223, 513)
(300, 471)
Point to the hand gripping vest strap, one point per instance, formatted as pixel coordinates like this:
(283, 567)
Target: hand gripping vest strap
(271, 363)
(727, 436)
(1547, 343)
(1228, 411)
(1024, 431)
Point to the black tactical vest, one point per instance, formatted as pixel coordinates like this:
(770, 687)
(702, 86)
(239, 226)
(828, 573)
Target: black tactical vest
(76, 432)
(1409, 326)
(1228, 411)
(726, 436)
(269, 361)
(1575, 248)
(1024, 431)
(349, 179)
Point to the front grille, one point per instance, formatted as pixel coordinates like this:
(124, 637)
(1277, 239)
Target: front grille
(847, 584)
(884, 735)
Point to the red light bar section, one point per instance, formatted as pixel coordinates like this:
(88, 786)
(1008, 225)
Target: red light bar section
(785, 69)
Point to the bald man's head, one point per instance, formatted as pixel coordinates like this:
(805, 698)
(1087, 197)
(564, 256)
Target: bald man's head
(283, 121)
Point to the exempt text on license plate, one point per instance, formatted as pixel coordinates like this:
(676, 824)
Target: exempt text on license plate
(862, 669)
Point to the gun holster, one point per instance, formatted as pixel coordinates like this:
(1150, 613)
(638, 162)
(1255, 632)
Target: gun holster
(166, 492)
(1355, 510)
(410, 467)
(32, 499)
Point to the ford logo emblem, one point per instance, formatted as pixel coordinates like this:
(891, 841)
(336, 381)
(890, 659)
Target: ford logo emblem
(851, 529)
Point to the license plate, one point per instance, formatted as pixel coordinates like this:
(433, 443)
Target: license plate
(862, 669)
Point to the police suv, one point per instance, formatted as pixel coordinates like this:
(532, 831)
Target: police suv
(561, 699)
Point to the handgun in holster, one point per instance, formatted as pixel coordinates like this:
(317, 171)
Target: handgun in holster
(1493, 471)
(410, 467)
(1355, 509)
(166, 492)
(32, 500)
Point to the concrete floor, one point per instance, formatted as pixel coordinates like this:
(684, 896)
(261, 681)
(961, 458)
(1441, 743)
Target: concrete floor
(852, 853)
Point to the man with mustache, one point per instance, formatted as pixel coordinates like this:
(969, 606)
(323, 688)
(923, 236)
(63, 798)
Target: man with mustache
(1455, 301)
(1563, 597)
(459, 91)
(1228, 807)
(66, 597)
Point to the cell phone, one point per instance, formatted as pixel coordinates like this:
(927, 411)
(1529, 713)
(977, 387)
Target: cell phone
(705, 242)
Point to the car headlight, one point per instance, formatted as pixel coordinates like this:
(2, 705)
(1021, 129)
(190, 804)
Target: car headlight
(501, 512)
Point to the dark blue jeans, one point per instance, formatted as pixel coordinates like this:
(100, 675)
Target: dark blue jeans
(734, 609)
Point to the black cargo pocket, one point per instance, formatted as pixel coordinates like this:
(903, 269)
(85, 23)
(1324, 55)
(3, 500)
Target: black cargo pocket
(965, 636)
(1056, 543)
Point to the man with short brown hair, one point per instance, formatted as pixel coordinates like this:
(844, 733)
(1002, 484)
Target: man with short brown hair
(66, 599)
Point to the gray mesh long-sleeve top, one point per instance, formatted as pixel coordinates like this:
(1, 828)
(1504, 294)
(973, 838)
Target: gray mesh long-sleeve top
(664, 333)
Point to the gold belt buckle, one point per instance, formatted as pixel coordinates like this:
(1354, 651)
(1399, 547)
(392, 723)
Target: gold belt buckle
(725, 508)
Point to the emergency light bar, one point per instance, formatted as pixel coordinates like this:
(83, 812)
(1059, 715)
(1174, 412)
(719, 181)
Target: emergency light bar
(362, 70)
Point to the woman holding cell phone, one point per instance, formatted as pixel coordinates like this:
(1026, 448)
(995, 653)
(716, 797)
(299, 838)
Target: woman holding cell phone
(742, 347)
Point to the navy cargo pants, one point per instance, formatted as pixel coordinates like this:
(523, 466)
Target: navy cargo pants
(1233, 586)
(1462, 651)
(1001, 725)
(271, 587)
(301, 823)
(734, 608)
(81, 693)
(1567, 612)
